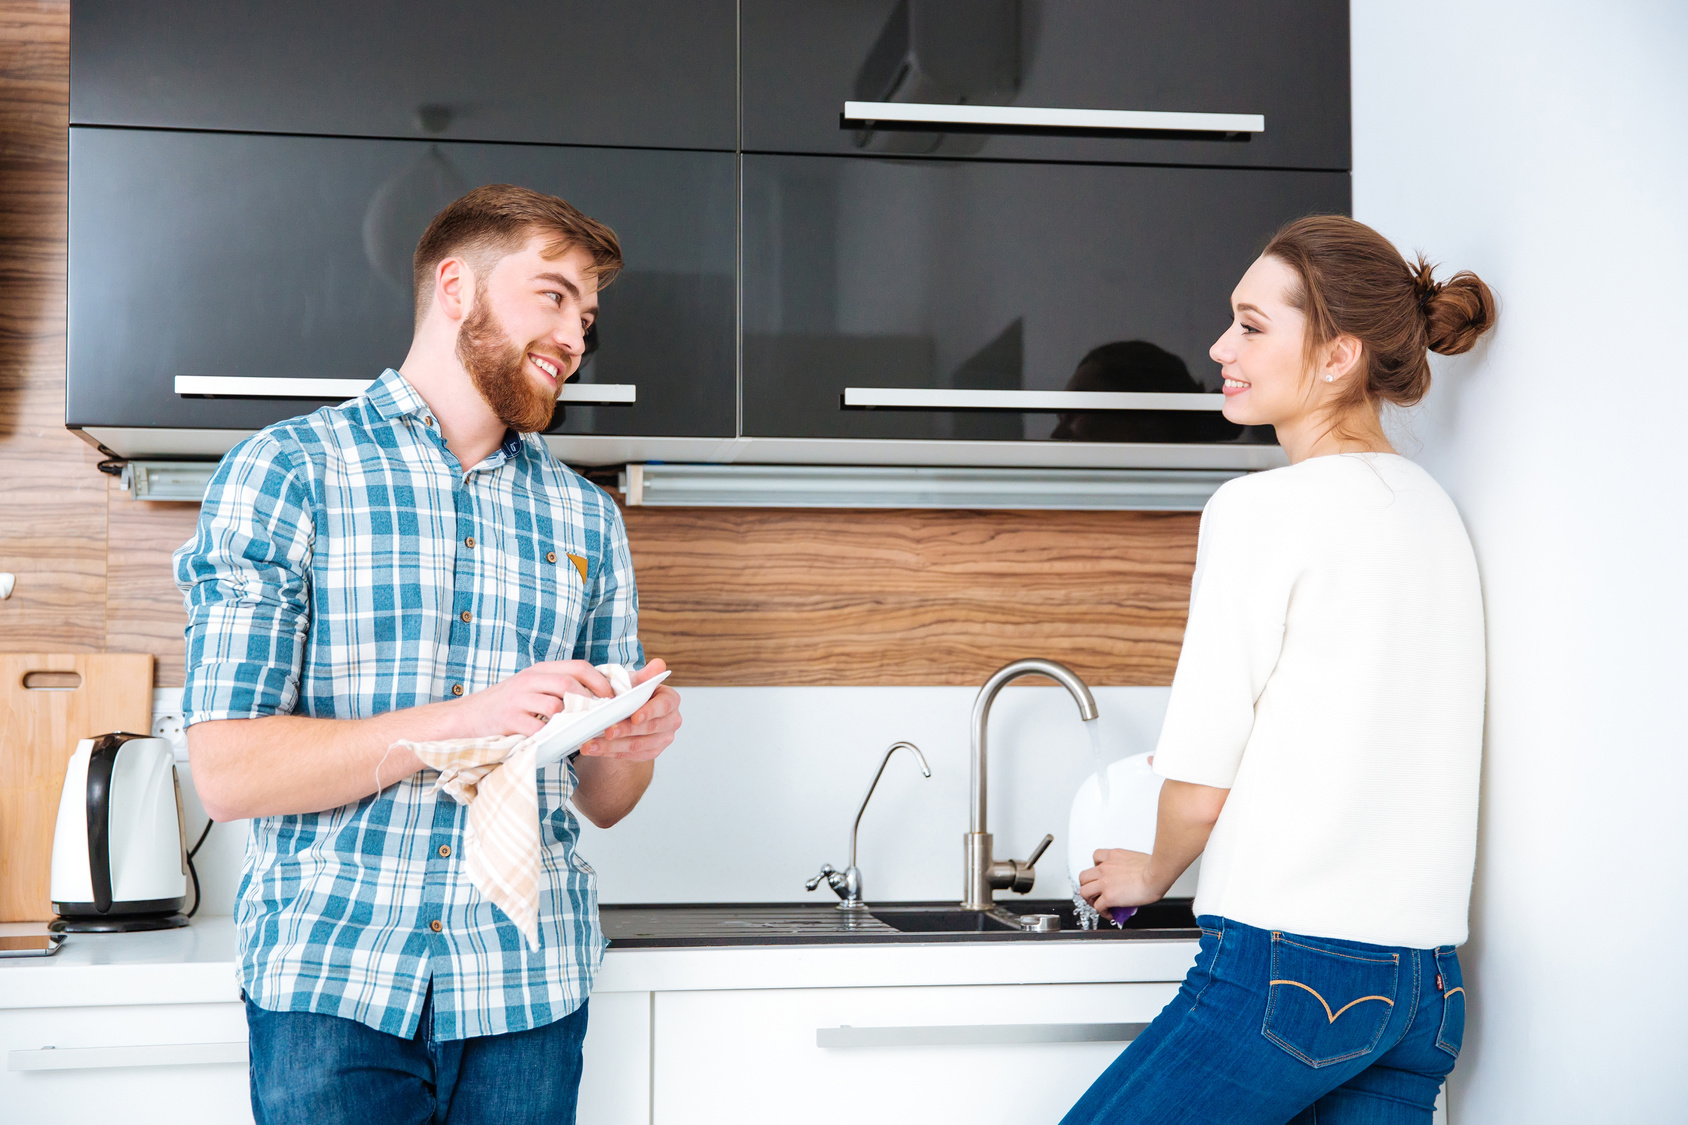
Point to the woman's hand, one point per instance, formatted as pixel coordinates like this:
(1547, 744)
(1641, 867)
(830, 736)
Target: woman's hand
(1120, 878)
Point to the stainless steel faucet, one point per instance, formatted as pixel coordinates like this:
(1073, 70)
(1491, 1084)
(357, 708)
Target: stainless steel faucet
(983, 876)
(847, 884)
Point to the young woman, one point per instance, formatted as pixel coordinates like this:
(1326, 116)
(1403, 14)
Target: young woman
(1322, 740)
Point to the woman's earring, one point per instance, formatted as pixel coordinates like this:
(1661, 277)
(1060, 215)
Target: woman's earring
(1329, 378)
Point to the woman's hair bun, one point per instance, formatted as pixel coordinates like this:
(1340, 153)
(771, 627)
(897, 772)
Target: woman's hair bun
(1456, 311)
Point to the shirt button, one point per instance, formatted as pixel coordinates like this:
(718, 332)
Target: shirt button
(550, 556)
(469, 541)
(428, 419)
(466, 616)
(435, 925)
(457, 689)
(445, 850)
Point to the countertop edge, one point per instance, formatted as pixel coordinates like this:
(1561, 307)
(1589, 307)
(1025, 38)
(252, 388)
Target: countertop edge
(104, 973)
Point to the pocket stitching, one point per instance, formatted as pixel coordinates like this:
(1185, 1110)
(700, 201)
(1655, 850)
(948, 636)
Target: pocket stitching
(1329, 1018)
(1272, 1002)
(1392, 959)
(1442, 1028)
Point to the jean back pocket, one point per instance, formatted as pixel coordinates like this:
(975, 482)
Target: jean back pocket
(1450, 1036)
(1327, 1003)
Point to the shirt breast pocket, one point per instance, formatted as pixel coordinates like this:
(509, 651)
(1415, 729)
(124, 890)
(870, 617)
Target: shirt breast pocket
(542, 585)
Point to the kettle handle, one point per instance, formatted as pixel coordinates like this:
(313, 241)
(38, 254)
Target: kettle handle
(101, 759)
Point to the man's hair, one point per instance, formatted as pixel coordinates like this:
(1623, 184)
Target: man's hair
(499, 219)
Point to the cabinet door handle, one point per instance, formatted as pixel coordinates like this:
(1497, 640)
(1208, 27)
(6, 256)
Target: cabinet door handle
(977, 1034)
(1032, 118)
(935, 398)
(241, 386)
(144, 1054)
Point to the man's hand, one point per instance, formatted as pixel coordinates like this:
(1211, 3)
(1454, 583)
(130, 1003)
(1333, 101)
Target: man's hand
(1120, 878)
(526, 701)
(615, 768)
(648, 731)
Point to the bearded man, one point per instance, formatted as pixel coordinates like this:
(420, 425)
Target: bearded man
(409, 566)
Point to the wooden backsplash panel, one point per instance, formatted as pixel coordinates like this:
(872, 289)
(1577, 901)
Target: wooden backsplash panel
(783, 596)
(143, 607)
(799, 596)
(52, 500)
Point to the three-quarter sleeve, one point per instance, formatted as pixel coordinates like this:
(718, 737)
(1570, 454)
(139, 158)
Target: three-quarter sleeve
(609, 630)
(1239, 598)
(245, 576)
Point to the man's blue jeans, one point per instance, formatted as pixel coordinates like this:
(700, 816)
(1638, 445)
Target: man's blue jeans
(323, 1070)
(1270, 1028)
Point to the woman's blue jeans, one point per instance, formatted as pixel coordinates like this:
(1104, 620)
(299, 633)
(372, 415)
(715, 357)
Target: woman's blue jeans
(1270, 1028)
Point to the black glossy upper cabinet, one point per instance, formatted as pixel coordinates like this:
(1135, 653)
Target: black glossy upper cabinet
(993, 301)
(1285, 63)
(655, 73)
(241, 257)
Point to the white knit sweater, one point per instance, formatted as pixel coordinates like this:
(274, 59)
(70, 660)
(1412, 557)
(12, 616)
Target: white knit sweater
(1332, 678)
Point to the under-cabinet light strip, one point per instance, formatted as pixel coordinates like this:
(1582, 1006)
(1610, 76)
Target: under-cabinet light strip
(868, 486)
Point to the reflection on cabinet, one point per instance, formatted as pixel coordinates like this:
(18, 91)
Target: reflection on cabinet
(653, 73)
(1285, 62)
(951, 278)
(204, 254)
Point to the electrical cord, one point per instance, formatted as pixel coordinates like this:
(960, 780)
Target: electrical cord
(194, 872)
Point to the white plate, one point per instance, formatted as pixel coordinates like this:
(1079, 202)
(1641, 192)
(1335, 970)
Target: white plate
(566, 732)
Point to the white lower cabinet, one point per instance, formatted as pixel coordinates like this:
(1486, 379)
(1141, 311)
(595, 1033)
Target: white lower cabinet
(163, 1063)
(994, 1053)
(615, 1086)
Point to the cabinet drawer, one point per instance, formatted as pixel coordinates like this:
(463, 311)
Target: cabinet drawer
(946, 290)
(1285, 63)
(163, 1063)
(230, 256)
(918, 1054)
(637, 72)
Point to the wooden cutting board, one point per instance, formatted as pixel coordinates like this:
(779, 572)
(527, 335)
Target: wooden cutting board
(47, 704)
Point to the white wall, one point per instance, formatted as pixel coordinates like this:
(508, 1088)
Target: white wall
(761, 786)
(1544, 145)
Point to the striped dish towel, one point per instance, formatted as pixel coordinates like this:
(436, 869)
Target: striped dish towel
(496, 778)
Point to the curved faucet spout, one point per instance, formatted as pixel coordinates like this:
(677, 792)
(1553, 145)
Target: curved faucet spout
(1005, 675)
(982, 873)
(874, 784)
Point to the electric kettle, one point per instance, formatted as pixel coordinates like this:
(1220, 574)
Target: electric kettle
(119, 856)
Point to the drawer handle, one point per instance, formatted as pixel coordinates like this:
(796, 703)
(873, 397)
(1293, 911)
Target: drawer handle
(1030, 118)
(923, 398)
(977, 1034)
(146, 1054)
(332, 390)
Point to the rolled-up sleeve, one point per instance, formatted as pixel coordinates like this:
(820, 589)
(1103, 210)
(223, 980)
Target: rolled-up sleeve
(609, 632)
(245, 576)
(1239, 599)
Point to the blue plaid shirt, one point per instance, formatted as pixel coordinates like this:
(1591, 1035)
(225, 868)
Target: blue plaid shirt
(344, 566)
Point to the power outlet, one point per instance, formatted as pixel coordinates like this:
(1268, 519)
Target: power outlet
(167, 720)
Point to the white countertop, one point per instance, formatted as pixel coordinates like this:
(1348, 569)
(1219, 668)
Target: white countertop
(196, 965)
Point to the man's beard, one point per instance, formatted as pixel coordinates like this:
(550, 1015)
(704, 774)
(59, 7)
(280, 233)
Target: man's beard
(496, 365)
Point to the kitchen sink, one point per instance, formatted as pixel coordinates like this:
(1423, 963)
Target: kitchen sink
(924, 920)
(693, 925)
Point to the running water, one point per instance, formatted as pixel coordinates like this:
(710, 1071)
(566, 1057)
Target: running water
(1095, 728)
